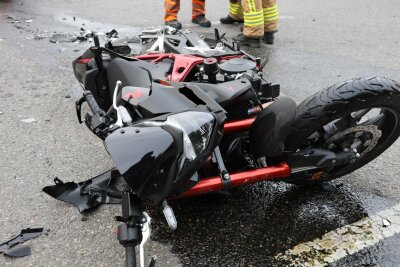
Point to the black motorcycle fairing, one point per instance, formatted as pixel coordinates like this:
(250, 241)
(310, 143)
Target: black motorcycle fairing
(128, 73)
(162, 100)
(223, 93)
(269, 131)
(143, 155)
(148, 153)
(175, 99)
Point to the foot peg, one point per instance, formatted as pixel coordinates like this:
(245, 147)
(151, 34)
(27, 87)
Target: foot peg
(169, 215)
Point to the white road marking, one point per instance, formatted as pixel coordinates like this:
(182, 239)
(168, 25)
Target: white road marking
(345, 240)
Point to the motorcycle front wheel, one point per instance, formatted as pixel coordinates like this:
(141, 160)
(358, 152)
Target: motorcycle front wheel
(361, 114)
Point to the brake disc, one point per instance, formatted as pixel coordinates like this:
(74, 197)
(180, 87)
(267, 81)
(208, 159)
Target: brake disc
(359, 129)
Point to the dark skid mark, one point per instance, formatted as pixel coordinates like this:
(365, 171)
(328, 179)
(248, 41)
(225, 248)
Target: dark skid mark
(254, 223)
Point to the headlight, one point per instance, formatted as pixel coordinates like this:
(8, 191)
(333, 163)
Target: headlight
(196, 128)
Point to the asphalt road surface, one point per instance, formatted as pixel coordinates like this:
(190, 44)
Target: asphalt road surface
(319, 43)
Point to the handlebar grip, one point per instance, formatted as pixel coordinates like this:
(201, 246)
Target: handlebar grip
(92, 103)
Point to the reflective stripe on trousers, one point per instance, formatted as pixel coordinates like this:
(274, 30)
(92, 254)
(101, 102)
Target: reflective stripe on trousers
(253, 18)
(235, 10)
(271, 15)
(259, 16)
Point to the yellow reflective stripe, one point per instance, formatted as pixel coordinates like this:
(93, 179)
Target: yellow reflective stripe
(252, 5)
(271, 14)
(253, 14)
(253, 17)
(235, 11)
(235, 6)
(271, 18)
(254, 23)
(270, 8)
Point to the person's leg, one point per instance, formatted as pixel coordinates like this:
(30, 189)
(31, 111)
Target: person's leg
(171, 8)
(253, 28)
(270, 11)
(235, 13)
(199, 12)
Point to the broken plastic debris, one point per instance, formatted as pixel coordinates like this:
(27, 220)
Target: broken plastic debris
(28, 20)
(88, 194)
(26, 234)
(19, 252)
(386, 223)
(29, 120)
(112, 34)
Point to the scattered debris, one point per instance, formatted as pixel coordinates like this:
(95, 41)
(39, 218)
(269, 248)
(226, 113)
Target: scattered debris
(29, 120)
(19, 252)
(1, 113)
(61, 49)
(74, 18)
(85, 35)
(89, 194)
(112, 34)
(67, 96)
(26, 234)
(62, 38)
(386, 223)
(28, 20)
(39, 36)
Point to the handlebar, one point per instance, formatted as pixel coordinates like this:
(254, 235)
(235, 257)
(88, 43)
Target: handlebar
(94, 107)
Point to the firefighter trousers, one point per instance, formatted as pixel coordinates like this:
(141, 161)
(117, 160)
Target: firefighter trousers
(172, 7)
(259, 16)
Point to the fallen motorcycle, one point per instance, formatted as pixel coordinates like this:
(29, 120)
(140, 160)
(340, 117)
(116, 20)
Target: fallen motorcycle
(185, 119)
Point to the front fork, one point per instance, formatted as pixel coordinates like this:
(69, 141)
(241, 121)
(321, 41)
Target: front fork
(134, 229)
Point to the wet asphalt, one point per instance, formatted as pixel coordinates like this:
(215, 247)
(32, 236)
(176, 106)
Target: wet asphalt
(319, 43)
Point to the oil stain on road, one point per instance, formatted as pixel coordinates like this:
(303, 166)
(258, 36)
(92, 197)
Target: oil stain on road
(253, 224)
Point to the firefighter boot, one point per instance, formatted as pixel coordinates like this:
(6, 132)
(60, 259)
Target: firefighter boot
(202, 21)
(229, 20)
(174, 23)
(254, 42)
(269, 37)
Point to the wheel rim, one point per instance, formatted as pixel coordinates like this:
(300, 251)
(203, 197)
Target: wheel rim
(365, 131)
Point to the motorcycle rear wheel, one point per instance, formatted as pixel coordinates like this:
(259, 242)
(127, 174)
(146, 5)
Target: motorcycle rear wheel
(347, 104)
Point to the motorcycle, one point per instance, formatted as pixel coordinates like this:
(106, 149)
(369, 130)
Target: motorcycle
(185, 118)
